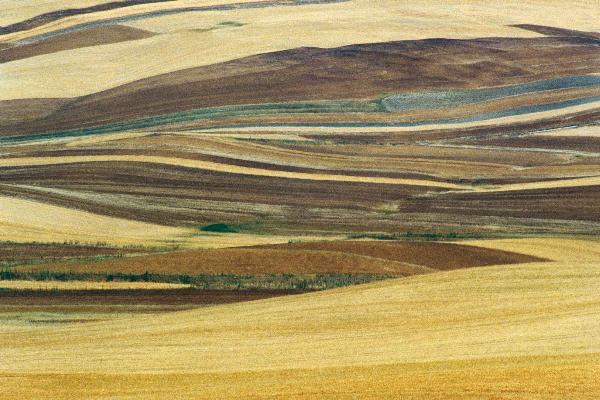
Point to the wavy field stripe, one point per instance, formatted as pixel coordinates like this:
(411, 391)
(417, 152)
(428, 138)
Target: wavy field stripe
(227, 168)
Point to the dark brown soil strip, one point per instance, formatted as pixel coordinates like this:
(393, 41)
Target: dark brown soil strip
(27, 251)
(135, 296)
(575, 204)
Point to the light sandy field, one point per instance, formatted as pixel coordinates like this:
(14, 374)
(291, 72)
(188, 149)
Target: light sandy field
(86, 285)
(552, 184)
(27, 220)
(563, 250)
(96, 139)
(592, 131)
(34, 8)
(185, 44)
(527, 331)
(16, 11)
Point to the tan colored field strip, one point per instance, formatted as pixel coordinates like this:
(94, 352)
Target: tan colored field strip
(278, 156)
(212, 166)
(552, 184)
(26, 220)
(103, 138)
(564, 250)
(585, 131)
(86, 285)
(17, 11)
(475, 333)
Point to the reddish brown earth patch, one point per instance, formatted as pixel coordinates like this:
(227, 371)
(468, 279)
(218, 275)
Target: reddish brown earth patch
(357, 257)
(74, 40)
(133, 297)
(440, 256)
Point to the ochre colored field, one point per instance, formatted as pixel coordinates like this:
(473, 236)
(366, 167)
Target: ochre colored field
(527, 378)
(522, 331)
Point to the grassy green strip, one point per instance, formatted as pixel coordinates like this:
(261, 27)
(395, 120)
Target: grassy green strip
(206, 281)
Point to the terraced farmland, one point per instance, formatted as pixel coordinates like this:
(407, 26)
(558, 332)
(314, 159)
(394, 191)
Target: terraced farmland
(299, 199)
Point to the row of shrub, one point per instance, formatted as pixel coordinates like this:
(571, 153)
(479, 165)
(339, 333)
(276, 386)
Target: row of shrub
(306, 282)
(416, 236)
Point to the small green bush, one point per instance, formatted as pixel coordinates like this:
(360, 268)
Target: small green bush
(220, 228)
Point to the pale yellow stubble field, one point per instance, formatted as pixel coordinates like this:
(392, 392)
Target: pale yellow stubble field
(522, 331)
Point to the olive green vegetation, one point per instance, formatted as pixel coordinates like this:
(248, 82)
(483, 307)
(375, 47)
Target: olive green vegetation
(307, 282)
(220, 228)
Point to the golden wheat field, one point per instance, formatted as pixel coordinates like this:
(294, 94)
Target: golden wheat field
(299, 199)
(521, 331)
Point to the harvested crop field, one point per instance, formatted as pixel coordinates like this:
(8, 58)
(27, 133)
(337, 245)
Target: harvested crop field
(26, 220)
(299, 199)
(281, 354)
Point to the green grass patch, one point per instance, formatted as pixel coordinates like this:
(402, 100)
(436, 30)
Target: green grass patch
(219, 228)
(306, 282)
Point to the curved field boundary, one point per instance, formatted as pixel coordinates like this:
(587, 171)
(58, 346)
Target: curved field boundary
(237, 169)
(27, 220)
(92, 37)
(554, 184)
(314, 129)
(48, 17)
(228, 168)
(159, 13)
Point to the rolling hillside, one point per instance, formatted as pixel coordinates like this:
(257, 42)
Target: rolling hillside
(283, 199)
(520, 331)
